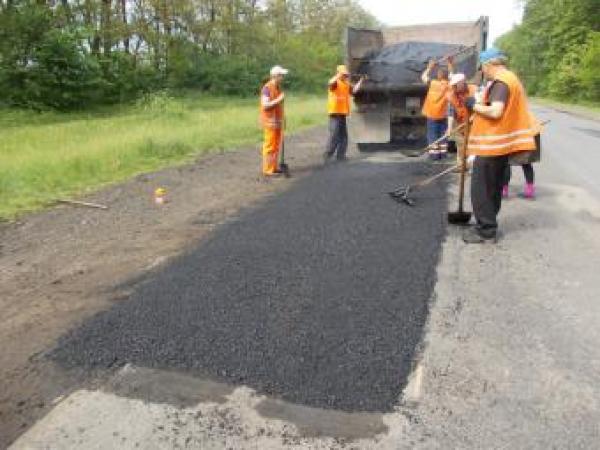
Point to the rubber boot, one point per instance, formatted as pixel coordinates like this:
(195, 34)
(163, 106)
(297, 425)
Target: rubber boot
(529, 191)
(505, 191)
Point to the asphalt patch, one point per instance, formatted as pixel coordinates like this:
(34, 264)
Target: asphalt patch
(319, 296)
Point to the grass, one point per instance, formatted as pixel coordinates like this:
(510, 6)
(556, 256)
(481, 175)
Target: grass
(587, 109)
(49, 155)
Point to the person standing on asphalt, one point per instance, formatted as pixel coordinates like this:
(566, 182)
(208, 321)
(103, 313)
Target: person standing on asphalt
(458, 112)
(271, 115)
(435, 108)
(502, 126)
(338, 106)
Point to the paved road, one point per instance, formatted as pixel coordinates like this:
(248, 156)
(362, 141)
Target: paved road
(508, 358)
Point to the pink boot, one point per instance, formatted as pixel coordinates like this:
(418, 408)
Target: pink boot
(505, 191)
(529, 191)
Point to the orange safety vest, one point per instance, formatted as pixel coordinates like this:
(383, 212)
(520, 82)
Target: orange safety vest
(436, 102)
(339, 98)
(458, 102)
(271, 117)
(513, 132)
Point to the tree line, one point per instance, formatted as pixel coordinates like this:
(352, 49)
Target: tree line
(556, 49)
(67, 54)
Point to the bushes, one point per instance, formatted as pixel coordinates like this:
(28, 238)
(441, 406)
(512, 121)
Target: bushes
(71, 55)
(556, 49)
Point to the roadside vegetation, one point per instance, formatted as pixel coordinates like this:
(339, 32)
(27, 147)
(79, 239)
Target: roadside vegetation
(84, 84)
(48, 155)
(556, 49)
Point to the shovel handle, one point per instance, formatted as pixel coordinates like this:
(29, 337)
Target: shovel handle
(463, 171)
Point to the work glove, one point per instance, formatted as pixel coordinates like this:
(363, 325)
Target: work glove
(470, 103)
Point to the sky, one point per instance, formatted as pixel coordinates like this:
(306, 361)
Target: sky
(503, 13)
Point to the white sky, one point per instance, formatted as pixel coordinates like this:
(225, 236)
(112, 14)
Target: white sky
(503, 13)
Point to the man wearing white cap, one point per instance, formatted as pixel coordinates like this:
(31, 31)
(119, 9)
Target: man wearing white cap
(338, 107)
(272, 116)
(458, 112)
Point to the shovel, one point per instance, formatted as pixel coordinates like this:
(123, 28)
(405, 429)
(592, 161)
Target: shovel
(283, 167)
(461, 217)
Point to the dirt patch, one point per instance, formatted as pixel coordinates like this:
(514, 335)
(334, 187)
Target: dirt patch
(61, 266)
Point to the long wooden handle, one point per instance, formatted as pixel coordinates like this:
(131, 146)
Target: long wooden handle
(463, 171)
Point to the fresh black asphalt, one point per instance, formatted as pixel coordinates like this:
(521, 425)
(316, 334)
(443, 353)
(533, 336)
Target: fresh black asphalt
(319, 295)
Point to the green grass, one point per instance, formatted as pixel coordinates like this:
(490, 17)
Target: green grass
(587, 109)
(49, 155)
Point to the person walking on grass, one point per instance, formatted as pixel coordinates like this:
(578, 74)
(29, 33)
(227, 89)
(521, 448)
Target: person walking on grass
(435, 107)
(338, 106)
(272, 115)
(502, 126)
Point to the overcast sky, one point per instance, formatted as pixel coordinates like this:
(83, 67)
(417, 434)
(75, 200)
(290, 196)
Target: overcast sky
(503, 13)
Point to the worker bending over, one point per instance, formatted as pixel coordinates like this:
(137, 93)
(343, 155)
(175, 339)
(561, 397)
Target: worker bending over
(502, 126)
(435, 108)
(272, 116)
(458, 113)
(340, 91)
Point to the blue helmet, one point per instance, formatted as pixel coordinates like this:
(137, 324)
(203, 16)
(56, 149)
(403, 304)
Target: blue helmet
(489, 54)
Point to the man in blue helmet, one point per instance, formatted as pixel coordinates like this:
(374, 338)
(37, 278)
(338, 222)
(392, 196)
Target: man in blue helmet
(502, 126)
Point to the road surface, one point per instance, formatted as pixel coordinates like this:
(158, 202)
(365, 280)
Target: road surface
(369, 325)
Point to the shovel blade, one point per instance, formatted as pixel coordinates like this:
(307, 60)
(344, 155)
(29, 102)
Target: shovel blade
(459, 218)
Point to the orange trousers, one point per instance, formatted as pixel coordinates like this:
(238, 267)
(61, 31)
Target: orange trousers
(270, 150)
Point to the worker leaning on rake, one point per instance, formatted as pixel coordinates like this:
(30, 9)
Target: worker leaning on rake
(272, 119)
(340, 91)
(502, 127)
(460, 91)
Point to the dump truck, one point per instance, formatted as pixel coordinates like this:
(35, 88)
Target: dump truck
(387, 111)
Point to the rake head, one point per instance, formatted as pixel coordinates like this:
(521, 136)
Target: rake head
(402, 196)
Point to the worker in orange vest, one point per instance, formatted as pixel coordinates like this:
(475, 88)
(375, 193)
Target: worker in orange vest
(435, 108)
(338, 107)
(272, 116)
(502, 126)
(458, 112)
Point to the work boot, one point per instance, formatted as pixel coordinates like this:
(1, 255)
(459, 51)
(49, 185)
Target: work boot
(529, 191)
(474, 236)
(505, 191)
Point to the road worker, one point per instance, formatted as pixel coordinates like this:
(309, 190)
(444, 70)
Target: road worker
(272, 117)
(502, 126)
(435, 108)
(338, 106)
(458, 113)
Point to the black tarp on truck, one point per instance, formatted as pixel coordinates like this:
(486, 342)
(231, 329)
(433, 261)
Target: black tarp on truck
(388, 108)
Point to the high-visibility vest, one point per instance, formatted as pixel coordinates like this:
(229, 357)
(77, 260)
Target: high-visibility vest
(513, 132)
(271, 117)
(339, 98)
(436, 102)
(458, 102)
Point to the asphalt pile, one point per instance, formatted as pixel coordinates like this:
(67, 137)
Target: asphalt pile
(318, 296)
(402, 64)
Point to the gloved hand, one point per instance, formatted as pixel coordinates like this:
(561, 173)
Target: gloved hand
(470, 103)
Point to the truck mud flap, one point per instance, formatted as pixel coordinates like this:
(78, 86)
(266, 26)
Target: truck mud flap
(371, 125)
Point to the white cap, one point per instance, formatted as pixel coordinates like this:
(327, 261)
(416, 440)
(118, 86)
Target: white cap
(278, 70)
(457, 78)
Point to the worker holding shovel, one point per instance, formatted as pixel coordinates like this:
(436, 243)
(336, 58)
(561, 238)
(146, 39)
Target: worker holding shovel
(458, 112)
(272, 114)
(502, 126)
(338, 106)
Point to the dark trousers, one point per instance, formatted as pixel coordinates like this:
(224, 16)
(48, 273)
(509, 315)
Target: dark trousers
(527, 172)
(486, 191)
(338, 136)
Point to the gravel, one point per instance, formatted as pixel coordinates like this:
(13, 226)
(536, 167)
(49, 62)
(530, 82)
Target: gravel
(318, 296)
